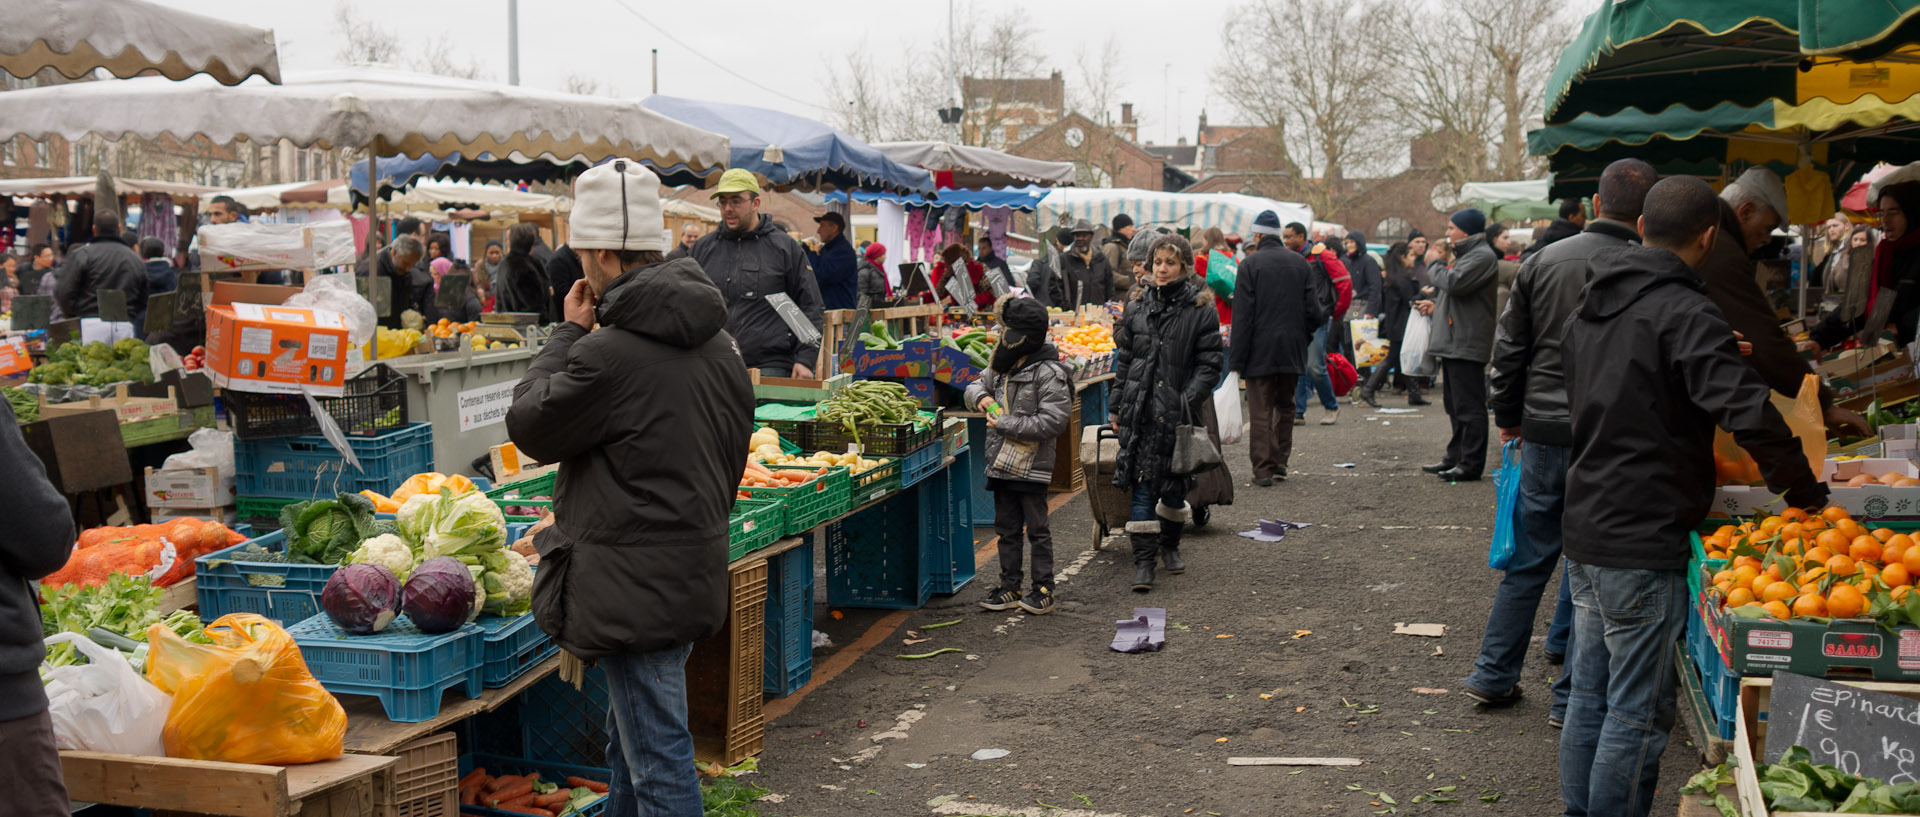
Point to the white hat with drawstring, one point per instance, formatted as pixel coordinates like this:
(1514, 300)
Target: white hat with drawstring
(616, 206)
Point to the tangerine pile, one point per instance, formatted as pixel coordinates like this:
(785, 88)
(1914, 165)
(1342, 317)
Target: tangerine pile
(1084, 341)
(1812, 565)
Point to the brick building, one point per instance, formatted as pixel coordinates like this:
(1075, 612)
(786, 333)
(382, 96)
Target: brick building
(23, 158)
(1385, 209)
(1104, 157)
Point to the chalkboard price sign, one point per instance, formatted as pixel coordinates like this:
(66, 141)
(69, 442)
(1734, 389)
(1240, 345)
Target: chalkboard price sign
(1871, 734)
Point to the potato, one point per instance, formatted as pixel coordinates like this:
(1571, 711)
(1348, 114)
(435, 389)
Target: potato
(1860, 480)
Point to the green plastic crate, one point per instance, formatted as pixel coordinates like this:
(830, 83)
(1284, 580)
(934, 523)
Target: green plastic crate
(173, 426)
(754, 524)
(873, 484)
(510, 494)
(263, 512)
(810, 504)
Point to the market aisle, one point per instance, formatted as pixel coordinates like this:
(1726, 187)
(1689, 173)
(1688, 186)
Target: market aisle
(1309, 619)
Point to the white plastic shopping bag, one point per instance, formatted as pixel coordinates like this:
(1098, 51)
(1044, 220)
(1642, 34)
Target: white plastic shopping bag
(1414, 361)
(1226, 408)
(103, 705)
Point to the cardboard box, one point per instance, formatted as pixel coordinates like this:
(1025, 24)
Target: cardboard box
(125, 407)
(223, 515)
(231, 292)
(81, 451)
(1859, 647)
(1864, 503)
(1837, 473)
(277, 349)
(188, 488)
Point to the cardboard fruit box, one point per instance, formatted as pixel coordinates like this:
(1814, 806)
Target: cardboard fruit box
(1858, 647)
(277, 349)
(188, 488)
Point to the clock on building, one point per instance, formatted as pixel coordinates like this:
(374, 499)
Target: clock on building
(1075, 136)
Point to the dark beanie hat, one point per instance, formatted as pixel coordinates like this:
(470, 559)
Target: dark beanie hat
(1122, 221)
(1023, 330)
(1415, 233)
(1470, 221)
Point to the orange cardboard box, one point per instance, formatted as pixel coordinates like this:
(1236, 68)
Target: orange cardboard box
(13, 357)
(276, 349)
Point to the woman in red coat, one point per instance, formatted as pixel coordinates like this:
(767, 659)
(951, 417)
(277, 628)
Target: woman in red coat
(957, 255)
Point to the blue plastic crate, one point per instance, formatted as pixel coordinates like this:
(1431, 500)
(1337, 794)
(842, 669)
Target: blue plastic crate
(285, 593)
(399, 657)
(304, 467)
(412, 705)
(918, 465)
(1718, 681)
(947, 518)
(566, 725)
(878, 559)
(789, 629)
(976, 470)
(497, 765)
(511, 646)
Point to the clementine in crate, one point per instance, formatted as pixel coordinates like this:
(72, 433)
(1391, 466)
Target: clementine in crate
(1845, 601)
(1778, 591)
(1841, 565)
(1836, 513)
(1864, 549)
(1778, 609)
(1810, 604)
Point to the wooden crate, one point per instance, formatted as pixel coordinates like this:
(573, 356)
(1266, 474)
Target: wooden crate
(346, 786)
(1750, 735)
(81, 451)
(726, 674)
(1067, 475)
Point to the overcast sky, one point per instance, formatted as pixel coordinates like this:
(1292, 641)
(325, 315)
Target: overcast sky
(782, 47)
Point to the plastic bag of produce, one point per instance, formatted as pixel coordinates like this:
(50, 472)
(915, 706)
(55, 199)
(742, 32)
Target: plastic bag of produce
(1506, 514)
(1414, 361)
(103, 705)
(245, 698)
(1226, 408)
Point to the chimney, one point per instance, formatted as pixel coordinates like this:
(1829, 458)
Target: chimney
(1182, 141)
(1202, 136)
(1057, 91)
(1126, 113)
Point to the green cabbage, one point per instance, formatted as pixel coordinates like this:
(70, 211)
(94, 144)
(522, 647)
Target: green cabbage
(326, 531)
(466, 526)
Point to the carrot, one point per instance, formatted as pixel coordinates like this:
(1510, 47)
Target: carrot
(470, 795)
(511, 791)
(522, 800)
(478, 773)
(757, 468)
(540, 812)
(503, 781)
(557, 800)
(595, 785)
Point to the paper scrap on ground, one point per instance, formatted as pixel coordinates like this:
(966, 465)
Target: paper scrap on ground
(990, 754)
(1273, 530)
(1428, 630)
(1429, 691)
(1145, 632)
(1293, 761)
(1396, 411)
(820, 640)
(1343, 465)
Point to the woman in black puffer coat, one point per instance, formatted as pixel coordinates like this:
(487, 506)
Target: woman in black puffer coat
(1168, 358)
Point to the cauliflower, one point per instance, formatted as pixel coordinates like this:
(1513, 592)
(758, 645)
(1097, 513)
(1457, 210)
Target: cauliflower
(388, 551)
(508, 583)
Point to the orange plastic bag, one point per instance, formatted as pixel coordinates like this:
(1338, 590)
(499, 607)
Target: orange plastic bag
(430, 483)
(245, 698)
(1734, 466)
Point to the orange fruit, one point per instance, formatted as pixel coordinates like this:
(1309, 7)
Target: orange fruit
(1842, 566)
(1836, 513)
(1771, 524)
(1883, 534)
(1723, 576)
(1896, 574)
(1868, 572)
(1852, 529)
(1726, 531)
(1892, 554)
(1778, 609)
(1900, 593)
(1813, 574)
(1740, 597)
(1819, 555)
(1864, 549)
(1900, 539)
(1832, 541)
(1810, 604)
(1816, 523)
(1793, 529)
(1792, 546)
(1744, 575)
(1910, 556)
(1747, 561)
(1793, 514)
(1778, 591)
(1845, 601)
(1724, 587)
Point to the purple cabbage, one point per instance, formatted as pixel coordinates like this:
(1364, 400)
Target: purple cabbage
(361, 599)
(439, 595)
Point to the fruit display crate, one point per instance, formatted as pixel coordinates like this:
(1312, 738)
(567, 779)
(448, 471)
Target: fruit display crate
(1718, 683)
(282, 591)
(789, 635)
(405, 668)
(878, 559)
(518, 494)
(371, 402)
(754, 524)
(1858, 647)
(875, 483)
(807, 505)
(556, 773)
(510, 647)
(919, 464)
(946, 519)
(427, 781)
(308, 466)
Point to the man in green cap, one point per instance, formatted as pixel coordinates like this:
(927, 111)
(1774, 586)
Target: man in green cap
(757, 267)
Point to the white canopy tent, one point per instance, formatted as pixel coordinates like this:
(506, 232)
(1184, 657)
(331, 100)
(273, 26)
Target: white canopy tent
(976, 168)
(1523, 200)
(128, 37)
(1231, 212)
(85, 186)
(439, 195)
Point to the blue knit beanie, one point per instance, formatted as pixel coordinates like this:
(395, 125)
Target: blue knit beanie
(1470, 221)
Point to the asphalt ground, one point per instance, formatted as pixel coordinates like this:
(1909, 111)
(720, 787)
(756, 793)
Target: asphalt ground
(1282, 649)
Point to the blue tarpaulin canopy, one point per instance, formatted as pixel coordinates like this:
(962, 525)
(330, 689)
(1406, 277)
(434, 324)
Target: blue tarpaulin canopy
(791, 152)
(1018, 198)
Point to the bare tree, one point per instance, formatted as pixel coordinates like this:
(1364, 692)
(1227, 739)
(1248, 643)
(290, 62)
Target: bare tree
(582, 85)
(1097, 87)
(901, 101)
(1520, 40)
(1444, 92)
(995, 53)
(438, 58)
(1310, 71)
(366, 41)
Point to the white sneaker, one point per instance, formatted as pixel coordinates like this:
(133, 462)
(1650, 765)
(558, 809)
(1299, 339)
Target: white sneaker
(1331, 418)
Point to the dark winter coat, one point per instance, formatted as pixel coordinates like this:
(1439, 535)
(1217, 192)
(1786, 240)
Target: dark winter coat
(1168, 358)
(1084, 281)
(1398, 291)
(837, 269)
(1900, 272)
(1114, 249)
(1463, 317)
(873, 285)
(1365, 274)
(39, 538)
(1729, 274)
(1035, 399)
(563, 270)
(748, 266)
(647, 416)
(1651, 369)
(104, 263)
(527, 289)
(1042, 283)
(1529, 379)
(1275, 312)
(1560, 230)
(401, 288)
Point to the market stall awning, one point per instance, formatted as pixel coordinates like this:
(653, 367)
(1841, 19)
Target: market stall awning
(1523, 200)
(1231, 212)
(130, 37)
(400, 172)
(976, 168)
(85, 185)
(288, 194)
(438, 195)
(792, 152)
(388, 111)
(1655, 53)
(686, 209)
(1017, 198)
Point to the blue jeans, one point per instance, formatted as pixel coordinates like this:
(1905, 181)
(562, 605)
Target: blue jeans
(1560, 642)
(1316, 379)
(1143, 502)
(648, 746)
(1621, 709)
(1536, 552)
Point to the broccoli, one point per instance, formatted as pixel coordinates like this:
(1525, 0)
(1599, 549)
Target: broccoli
(69, 353)
(96, 353)
(130, 349)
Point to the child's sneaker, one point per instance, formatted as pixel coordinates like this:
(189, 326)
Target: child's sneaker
(1001, 598)
(1039, 603)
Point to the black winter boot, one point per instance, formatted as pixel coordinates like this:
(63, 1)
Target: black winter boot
(1173, 522)
(1413, 393)
(1146, 550)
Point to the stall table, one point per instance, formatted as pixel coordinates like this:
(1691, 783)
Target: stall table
(344, 786)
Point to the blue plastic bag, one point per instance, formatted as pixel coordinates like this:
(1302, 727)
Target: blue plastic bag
(1506, 515)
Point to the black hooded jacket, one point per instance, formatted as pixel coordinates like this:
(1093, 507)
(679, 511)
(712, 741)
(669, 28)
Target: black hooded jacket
(527, 289)
(1369, 287)
(750, 265)
(647, 416)
(1275, 312)
(104, 263)
(1651, 368)
(39, 538)
(1560, 230)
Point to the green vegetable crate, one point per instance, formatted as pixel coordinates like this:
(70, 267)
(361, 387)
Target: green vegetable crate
(262, 512)
(873, 484)
(754, 524)
(808, 505)
(512, 494)
(1758, 646)
(884, 439)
